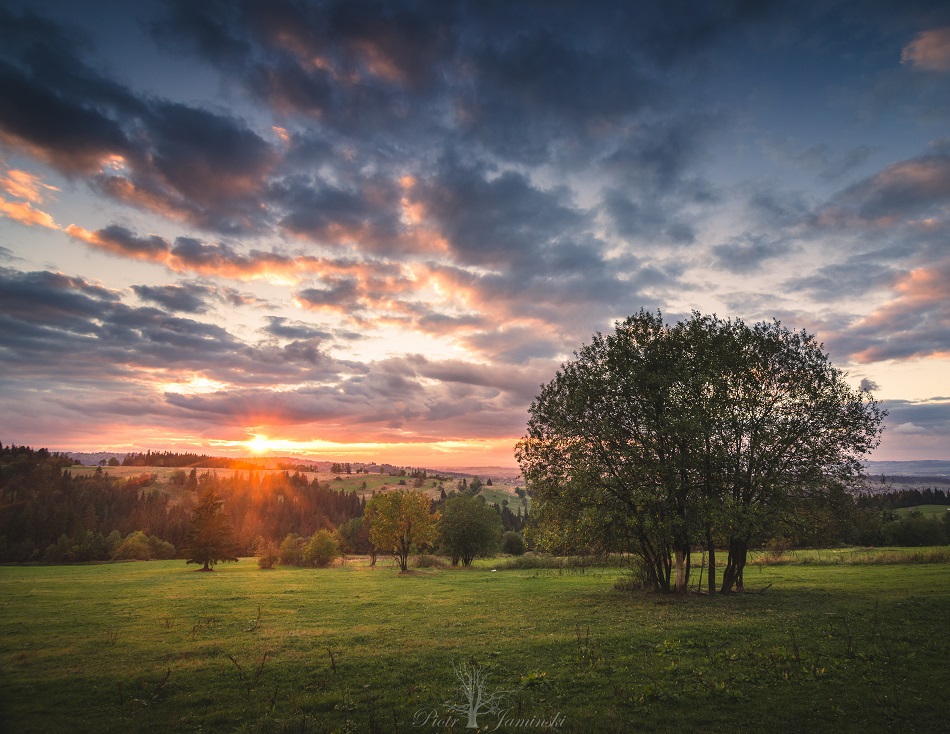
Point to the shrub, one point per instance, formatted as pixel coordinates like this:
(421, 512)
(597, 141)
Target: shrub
(426, 560)
(322, 550)
(915, 530)
(512, 543)
(292, 550)
(160, 549)
(266, 552)
(530, 561)
(135, 547)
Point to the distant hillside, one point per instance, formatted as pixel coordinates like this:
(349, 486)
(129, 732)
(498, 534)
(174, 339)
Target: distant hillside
(932, 468)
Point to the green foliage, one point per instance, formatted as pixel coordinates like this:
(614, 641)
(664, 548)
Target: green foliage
(469, 529)
(291, 552)
(400, 523)
(512, 543)
(138, 546)
(267, 553)
(917, 530)
(658, 438)
(427, 560)
(354, 537)
(210, 539)
(322, 549)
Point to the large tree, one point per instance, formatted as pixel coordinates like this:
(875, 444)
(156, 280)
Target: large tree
(659, 438)
(401, 522)
(469, 529)
(210, 540)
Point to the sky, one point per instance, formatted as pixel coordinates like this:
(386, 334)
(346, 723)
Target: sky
(372, 230)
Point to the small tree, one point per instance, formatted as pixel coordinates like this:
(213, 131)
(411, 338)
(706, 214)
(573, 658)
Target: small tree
(400, 522)
(512, 543)
(322, 550)
(292, 550)
(210, 538)
(469, 529)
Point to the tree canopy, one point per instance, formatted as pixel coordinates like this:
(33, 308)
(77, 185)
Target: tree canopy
(400, 522)
(469, 529)
(210, 540)
(659, 438)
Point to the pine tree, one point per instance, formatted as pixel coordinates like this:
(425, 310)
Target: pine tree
(210, 539)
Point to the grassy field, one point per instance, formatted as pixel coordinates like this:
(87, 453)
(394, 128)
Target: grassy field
(157, 647)
(937, 511)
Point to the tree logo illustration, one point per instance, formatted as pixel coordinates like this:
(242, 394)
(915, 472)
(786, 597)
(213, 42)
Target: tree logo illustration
(478, 700)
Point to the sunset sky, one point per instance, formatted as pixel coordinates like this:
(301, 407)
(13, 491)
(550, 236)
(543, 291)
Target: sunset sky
(371, 230)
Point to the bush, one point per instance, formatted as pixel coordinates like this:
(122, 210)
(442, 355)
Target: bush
(915, 531)
(512, 543)
(135, 547)
(470, 529)
(161, 549)
(425, 560)
(266, 552)
(530, 561)
(292, 550)
(322, 550)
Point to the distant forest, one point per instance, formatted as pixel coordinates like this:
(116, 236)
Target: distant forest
(49, 513)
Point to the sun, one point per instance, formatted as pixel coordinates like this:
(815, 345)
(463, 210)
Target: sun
(259, 444)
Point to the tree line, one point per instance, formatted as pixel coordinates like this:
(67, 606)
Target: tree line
(50, 514)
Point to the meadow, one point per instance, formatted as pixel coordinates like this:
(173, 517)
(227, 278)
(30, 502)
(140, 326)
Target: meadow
(156, 647)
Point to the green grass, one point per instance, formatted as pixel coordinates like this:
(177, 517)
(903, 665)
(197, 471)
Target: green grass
(937, 511)
(148, 646)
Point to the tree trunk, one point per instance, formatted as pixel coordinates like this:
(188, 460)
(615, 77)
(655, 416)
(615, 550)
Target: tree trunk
(711, 550)
(682, 568)
(732, 576)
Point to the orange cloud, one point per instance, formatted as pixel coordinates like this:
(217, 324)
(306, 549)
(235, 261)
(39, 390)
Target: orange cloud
(24, 185)
(930, 50)
(24, 213)
(912, 320)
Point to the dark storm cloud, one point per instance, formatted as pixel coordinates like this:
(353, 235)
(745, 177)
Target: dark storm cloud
(354, 66)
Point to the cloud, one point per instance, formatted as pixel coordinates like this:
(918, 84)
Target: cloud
(909, 429)
(914, 324)
(186, 298)
(913, 189)
(930, 50)
(283, 328)
(186, 163)
(869, 385)
(854, 277)
(747, 254)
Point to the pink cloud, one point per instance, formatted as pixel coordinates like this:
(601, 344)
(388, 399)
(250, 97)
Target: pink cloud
(930, 50)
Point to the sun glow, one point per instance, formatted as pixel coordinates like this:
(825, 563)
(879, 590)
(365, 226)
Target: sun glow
(259, 444)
